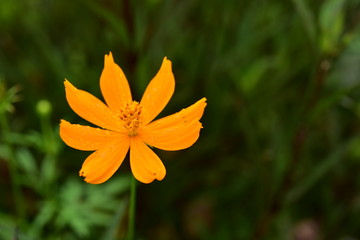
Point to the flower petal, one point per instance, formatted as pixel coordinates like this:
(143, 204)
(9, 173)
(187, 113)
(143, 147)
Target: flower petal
(103, 163)
(177, 131)
(145, 164)
(84, 137)
(114, 85)
(90, 108)
(158, 92)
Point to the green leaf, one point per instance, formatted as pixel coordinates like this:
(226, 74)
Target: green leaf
(111, 19)
(317, 173)
(83, 206)
(331, 22)
(254, 74)
(44, 217)
(307, 18)
(26, 161)
(27, 165)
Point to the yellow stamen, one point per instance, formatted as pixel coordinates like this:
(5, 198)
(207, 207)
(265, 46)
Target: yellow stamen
(130, 115)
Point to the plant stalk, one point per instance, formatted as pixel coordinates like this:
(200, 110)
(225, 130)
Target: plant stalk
(132, 208)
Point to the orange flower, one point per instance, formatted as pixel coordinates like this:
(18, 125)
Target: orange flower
(127, 124)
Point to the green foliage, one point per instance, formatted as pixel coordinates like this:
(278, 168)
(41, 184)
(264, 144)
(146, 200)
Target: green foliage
(65, 209)
(8, 97)
(279, 151)
(331, 21)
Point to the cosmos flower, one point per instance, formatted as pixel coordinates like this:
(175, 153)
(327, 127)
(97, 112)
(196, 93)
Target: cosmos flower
(127, 124)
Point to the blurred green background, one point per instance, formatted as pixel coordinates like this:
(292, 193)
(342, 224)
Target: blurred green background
(279, 154)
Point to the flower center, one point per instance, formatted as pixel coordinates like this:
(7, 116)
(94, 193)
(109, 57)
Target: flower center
(130, 115)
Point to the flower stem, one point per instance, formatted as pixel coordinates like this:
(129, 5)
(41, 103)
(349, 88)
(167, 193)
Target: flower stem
(132, 208)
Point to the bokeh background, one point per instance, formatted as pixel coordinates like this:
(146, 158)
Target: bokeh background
(279, 154)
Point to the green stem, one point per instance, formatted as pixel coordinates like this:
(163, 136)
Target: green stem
(49, 169)
(132, 208)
